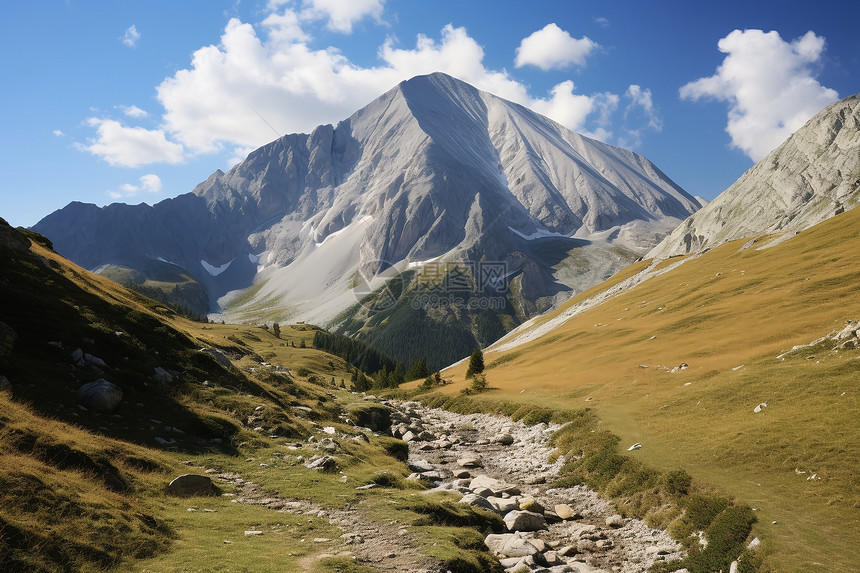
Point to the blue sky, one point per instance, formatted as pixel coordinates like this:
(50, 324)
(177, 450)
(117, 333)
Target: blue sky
(138, 101)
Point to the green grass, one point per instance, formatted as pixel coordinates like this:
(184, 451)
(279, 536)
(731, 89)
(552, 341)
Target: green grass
(81, 491)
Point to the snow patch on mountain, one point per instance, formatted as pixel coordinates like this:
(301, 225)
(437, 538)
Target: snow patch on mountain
(213, 270)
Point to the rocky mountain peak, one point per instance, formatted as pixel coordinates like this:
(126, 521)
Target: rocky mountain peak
(814, 175)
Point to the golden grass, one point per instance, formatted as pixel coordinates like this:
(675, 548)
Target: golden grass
(727, 314)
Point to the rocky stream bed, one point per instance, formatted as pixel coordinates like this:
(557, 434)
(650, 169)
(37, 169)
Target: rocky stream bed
(503, 466)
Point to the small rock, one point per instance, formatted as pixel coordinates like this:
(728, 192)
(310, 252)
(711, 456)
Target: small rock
(162, 376)
(614, 521)
(99, 395)
(759, 408)
(191, 484)
(565, 512)
(253, 532)
(505, 439)
(530, 504)
(470, 461)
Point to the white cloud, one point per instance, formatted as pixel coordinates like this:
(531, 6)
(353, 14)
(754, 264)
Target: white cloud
(639, 114)
(553, 48)
(132, 111)
(58, 132)
(149, 183)
(263, 81)
(125, 146)
(342, 14)
(130, 36)
(603, 22)
(769, 84)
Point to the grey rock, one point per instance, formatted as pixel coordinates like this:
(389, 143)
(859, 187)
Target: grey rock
(324, 463)
(524, 521)
(470, 461)
(509, 544)
(505, 439)
(504, 505)
(99, 395)
(495, 486)
(614, 521)
(217, 356)
(477, 501)
(162, 376)
(191, 484)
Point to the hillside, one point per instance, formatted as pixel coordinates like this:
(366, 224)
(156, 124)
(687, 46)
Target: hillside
(85, 483)
(680, 361)
(809, 178)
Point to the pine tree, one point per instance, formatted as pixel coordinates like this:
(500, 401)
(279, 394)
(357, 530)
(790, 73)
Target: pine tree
(476, 363)
(276, 330)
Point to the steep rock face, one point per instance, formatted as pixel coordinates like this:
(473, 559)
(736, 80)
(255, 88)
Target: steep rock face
(814, 175)
(432, 168)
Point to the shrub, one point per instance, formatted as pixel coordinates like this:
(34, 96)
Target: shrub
(678, 482)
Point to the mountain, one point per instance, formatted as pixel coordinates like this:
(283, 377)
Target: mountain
(814, 175)
(433, 175)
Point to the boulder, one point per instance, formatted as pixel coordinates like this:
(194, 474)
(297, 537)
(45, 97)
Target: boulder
(477, 501)
(217, 356)
(495, 486)
(509, 544)
(524, 521)
(504, 505)
(191, 484)
(470, 461)
(324, 463)
(162, 376)
(505, 439)
(564, 511)
(408, 436)
(99, 395)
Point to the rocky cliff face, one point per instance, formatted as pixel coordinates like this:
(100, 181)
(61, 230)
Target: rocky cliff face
(434, 169)
(814, 175)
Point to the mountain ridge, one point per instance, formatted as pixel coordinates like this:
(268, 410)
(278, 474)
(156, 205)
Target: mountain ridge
(432, 168)
(812, 176)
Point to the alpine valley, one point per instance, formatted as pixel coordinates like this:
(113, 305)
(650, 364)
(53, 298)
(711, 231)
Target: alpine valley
(434, 182)
(654, 385)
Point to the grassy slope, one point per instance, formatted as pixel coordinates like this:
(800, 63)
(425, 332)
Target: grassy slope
(727, 308)
(86, 492)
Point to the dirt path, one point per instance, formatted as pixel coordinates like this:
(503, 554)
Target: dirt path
(383, 547)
